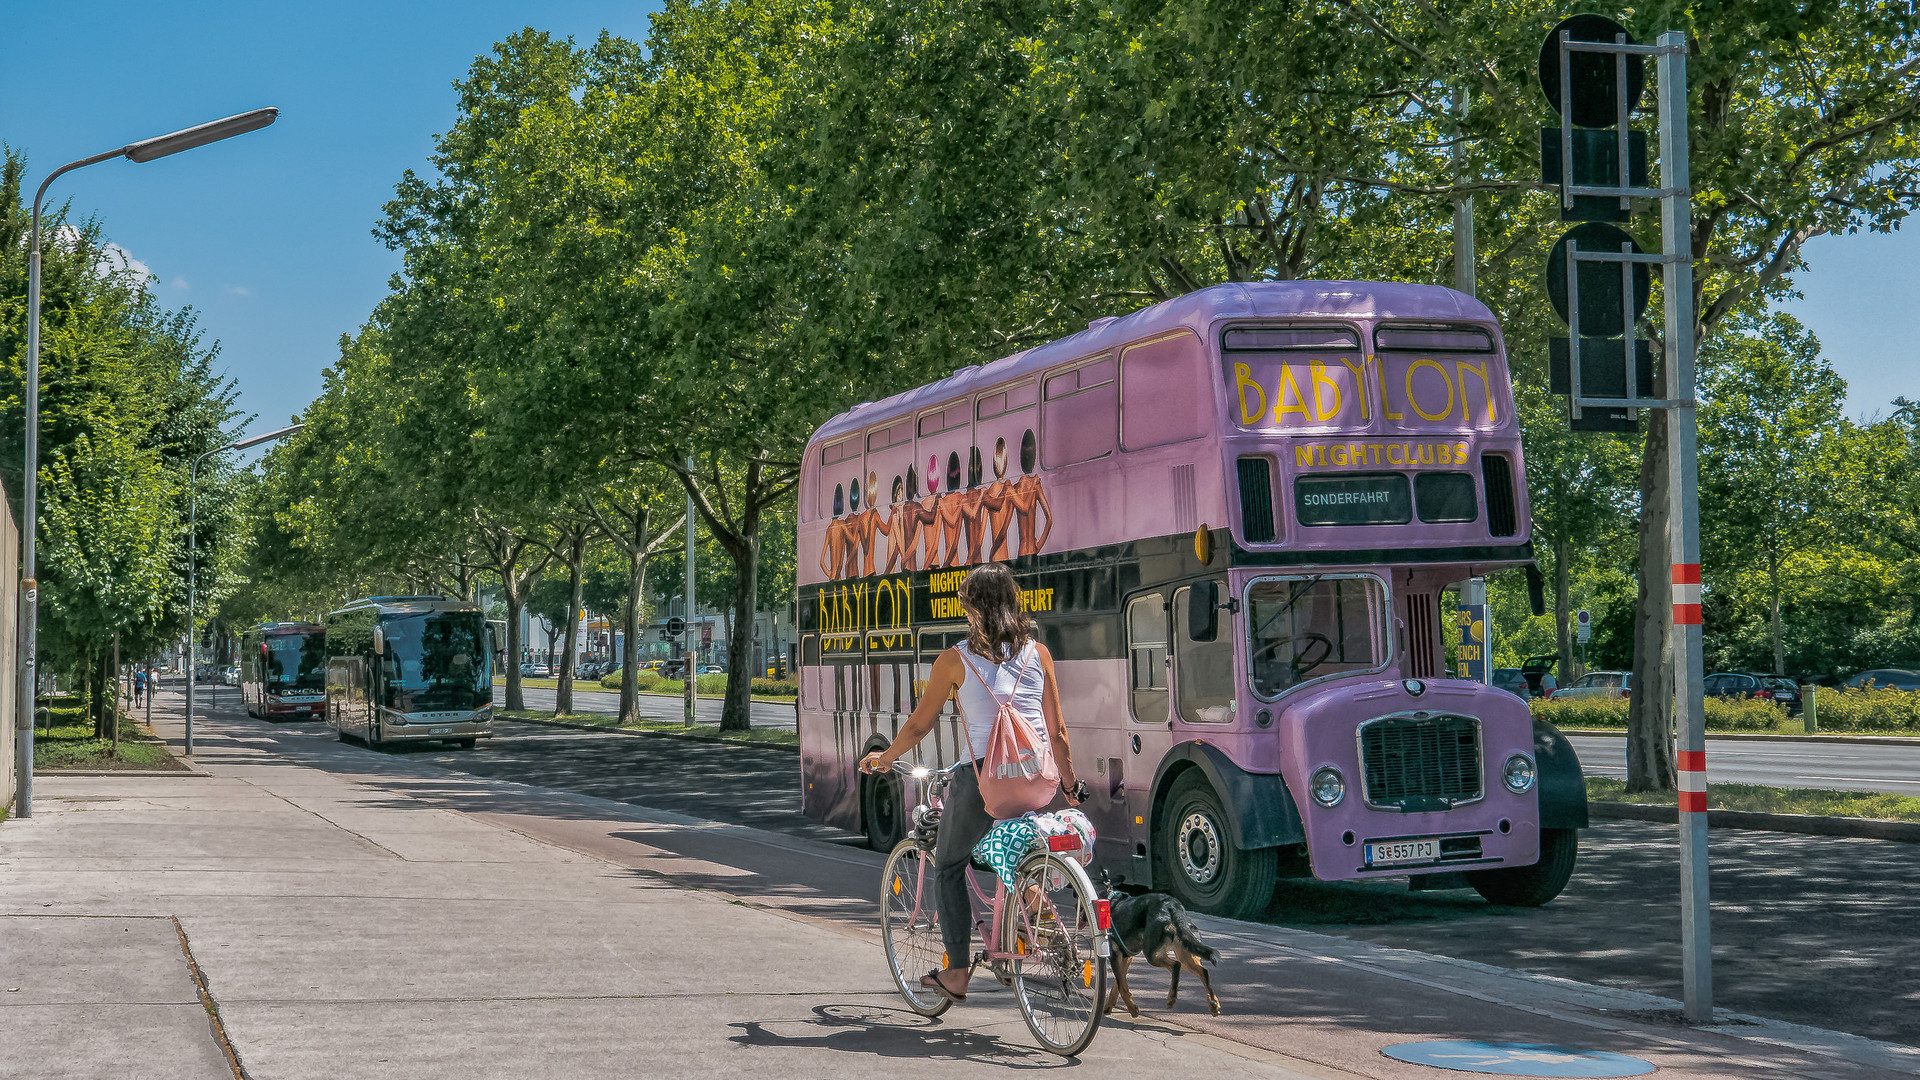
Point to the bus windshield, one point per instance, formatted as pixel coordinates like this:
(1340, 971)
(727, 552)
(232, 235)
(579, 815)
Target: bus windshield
(437, 661)
(294, 662)
(1309, 627)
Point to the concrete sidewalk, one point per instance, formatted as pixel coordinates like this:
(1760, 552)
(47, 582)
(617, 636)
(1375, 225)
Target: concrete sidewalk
(308, 909)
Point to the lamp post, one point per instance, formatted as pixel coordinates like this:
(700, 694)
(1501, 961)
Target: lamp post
(193, 538)
(29, 637)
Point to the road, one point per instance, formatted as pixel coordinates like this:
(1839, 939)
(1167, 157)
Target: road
(1838, 766)
(1791, 913)
(652, 706)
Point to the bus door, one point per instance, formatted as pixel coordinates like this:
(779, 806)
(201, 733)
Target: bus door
(1127, 832)
(1203, 677)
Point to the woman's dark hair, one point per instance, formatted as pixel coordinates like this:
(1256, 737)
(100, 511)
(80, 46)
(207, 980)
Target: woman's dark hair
(973, 467)
(998, 627)
(1028, 452)
(953, 471)
(839, 500)
(913, 483)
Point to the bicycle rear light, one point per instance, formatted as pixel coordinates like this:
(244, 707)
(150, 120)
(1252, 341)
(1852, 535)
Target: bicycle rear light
(1103, 913)
(1064, 842)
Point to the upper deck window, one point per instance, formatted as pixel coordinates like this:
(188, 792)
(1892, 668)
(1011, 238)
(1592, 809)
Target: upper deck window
(1266, 338)
(935, 421)
(1436, 337)
(1165, 394)
(1305, 376)
(1080, 416)
(890, 436)
(1010, 399)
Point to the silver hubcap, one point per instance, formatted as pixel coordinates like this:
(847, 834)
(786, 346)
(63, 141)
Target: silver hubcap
(1199, 848)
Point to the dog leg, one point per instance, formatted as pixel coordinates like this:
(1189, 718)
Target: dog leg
(1120, 962)
(1192, 963)
(1174, 990)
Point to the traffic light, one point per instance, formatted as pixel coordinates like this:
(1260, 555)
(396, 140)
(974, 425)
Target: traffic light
(1598, 278)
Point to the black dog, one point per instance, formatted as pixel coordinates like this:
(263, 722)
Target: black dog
(1156, 927)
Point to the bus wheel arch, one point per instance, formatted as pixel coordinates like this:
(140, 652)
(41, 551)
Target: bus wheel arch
(1217, 831)
(883, 814)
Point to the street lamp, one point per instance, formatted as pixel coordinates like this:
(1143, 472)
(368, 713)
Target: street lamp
(29, 637)
(193, 520)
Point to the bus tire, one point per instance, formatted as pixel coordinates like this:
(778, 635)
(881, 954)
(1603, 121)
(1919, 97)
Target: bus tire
(881, 815)
(468, 744)
(1206, 871)
(1531, 886)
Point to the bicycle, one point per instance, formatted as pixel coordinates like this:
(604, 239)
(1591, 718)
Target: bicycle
(1051, 947)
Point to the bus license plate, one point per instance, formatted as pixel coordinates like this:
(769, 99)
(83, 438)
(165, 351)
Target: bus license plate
(440, 731)
(1403, 851)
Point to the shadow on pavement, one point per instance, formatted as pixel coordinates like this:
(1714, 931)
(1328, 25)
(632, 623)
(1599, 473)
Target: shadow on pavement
(892, 1033)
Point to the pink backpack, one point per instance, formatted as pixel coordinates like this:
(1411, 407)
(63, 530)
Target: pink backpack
(1018, 775)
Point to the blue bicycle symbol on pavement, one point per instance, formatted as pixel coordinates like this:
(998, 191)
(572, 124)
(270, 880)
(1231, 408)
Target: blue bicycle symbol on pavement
(1518, 1059)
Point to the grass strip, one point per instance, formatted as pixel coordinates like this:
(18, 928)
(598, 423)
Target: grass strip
(708, 732)
(71, 744)
(665, 688)
(1761, 799)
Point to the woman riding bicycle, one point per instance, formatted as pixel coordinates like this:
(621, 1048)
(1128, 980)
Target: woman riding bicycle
(1000, 651)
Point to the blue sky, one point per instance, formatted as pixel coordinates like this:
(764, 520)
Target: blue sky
(267, 235)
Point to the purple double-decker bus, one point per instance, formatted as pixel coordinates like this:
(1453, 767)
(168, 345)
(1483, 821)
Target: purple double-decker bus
(1233, 515)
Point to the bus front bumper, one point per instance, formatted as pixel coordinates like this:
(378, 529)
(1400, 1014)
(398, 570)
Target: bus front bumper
(427, 727)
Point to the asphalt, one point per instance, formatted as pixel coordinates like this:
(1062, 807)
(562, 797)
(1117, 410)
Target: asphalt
(1834, 765)
(365, 914)
(652, 706)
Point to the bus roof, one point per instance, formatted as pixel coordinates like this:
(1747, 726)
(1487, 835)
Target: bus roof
(1196, 310)
(286, 628)
(406, 605)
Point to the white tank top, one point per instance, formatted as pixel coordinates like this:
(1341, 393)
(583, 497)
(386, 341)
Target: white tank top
(1020, 680)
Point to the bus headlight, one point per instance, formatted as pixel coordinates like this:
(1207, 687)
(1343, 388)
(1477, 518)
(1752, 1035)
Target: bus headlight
(1328, 786)
(1518, 775)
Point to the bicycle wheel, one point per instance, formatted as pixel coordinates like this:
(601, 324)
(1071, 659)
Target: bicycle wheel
(1049, 919)
(910, 924)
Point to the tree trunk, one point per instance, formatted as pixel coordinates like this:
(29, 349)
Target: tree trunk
(114, 710)
(1779, 642)
(576, 560)
(737, 713)
(630, 648)
(1562, 554)
(515, 699)
(1650, 709)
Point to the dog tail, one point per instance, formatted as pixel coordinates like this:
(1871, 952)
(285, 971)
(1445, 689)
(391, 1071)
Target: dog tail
(1190, 937)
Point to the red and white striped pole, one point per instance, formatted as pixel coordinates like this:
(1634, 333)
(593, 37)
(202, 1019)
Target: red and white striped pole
(1683, 479)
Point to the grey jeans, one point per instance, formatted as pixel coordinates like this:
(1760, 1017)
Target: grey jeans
(963, 823)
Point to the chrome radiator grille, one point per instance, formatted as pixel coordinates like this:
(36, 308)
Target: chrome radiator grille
(1421, 763)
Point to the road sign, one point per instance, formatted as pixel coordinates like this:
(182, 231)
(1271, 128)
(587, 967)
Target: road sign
(1595, 94)
(1470, 656)
(676, 626)
(706, 633)
(1583, 626)
(1599, 283)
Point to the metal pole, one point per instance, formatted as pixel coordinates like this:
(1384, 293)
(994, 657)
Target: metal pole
(193, 475)
(1463, 248)
(1676, 226)
(687, 648)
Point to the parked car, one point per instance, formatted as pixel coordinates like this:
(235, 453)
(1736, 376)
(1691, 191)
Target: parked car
(1885, 679)
(1596, 684)
(230, 676)
(1514, 681)
(1741, 684)
(672, 669)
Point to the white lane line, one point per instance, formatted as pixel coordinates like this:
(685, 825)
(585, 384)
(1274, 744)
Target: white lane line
(1863, 779)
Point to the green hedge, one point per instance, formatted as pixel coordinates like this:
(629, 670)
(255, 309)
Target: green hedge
(777, 687)
(1723, 714)
(649, 681)
(1867, 710)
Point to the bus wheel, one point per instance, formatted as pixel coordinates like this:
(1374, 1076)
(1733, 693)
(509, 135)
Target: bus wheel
(467, 744)
(1531, 886)
(1208, 873)
(880, 812)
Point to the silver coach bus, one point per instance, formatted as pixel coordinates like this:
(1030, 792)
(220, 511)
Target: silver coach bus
(409, 669)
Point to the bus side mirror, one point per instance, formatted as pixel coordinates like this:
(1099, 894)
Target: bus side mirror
(379, 641)
(1536, 589)
(1203, 611)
